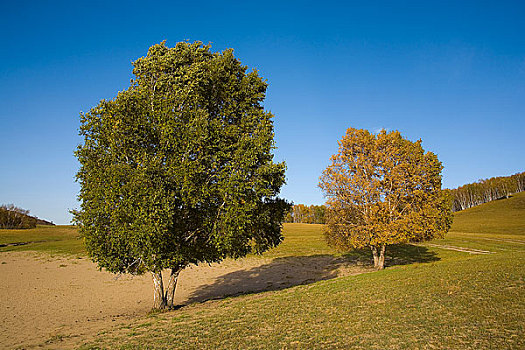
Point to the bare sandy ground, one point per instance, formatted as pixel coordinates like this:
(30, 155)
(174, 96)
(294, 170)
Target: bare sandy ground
(46, 300)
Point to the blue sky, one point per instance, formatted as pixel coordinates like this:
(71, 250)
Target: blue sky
(450, 73)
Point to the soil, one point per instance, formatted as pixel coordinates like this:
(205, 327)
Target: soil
(459, 249)
(50, 302)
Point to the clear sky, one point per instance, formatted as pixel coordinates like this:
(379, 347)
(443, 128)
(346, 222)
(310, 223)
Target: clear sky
(449, 72)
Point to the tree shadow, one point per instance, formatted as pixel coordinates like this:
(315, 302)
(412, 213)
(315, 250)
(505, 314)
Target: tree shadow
(282, 273)
(396, 254)
(279, 274)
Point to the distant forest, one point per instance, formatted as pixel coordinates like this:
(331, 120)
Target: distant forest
(300, 213)
(464, 197)
(486, 190)
(12, 217)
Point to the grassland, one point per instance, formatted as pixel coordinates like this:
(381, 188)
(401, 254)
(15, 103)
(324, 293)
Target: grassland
(61, 240)
(474, 303)
(430, 296)
(503, 217)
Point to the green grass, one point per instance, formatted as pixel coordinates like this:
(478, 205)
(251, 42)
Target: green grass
(296, 235)
(476, 304)
(504, 216)
(62, 240)
(428, 298)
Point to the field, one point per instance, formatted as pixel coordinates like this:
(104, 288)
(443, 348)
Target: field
(463, 292)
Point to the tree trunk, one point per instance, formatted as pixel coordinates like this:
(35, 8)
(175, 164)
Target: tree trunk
(375, 255)
(379, 256)
(159, 298)
(164, 298)
(172, 285)
(382, 257)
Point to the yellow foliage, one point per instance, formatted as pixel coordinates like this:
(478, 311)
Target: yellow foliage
(383, 189)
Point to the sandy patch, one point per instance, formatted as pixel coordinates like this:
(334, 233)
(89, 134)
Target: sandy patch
(44, 300)
(458, 249)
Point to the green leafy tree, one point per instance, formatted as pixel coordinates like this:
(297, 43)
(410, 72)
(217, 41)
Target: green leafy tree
(178, 168)
(383, 189)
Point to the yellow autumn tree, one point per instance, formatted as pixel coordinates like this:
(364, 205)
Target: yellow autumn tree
(383, 189)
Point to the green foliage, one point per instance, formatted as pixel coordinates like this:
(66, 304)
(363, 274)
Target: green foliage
(383, 189)
(12, 217)
(178, 168)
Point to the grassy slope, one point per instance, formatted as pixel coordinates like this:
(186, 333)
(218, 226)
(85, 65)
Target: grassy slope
(48, 239)
(504, 217)
(455, 300)
(443, 305)
(294, 243)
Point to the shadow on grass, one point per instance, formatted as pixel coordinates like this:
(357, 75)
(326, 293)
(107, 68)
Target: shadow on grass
(397, 254)
(279, 274)
(287, 272)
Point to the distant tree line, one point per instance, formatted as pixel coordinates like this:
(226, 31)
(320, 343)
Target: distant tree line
(486, 190)
(464, 197)
(12, 217)
(300, 213)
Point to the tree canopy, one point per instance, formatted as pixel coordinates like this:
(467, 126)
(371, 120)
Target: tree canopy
(383, 189)
(178, 168)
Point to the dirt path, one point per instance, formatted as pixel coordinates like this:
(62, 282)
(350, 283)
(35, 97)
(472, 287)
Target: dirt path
(458, 249)
(44, 300)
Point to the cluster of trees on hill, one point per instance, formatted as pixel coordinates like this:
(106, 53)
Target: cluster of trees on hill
(487, 190)
(300, 213)
(15, 218)
(12, 217)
